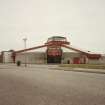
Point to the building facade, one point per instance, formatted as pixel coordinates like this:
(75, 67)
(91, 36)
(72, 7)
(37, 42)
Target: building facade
(53, 54)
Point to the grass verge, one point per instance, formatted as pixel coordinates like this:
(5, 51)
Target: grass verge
(87, 66)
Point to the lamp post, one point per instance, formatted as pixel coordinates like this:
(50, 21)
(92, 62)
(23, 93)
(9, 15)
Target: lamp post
(25, 39)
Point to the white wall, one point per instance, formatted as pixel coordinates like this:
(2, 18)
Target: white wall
(40, 57)
(7, 57)
(69, 56)
(31, 57)
(95, 61)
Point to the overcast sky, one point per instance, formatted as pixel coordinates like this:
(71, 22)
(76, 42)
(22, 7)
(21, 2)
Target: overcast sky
(81, 21)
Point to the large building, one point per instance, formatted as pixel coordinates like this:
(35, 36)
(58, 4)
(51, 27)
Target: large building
(54, 53)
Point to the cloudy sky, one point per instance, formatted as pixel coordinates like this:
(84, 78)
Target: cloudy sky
(81, 21)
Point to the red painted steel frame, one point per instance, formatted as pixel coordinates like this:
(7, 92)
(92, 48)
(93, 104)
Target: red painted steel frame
(58, 44)
(91, 56)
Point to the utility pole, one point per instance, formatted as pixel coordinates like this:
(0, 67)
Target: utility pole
(25, 39)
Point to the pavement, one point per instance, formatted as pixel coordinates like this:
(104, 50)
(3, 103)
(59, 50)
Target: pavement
(99, 71)
(45, 85)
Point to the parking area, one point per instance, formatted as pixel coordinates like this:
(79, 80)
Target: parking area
(42, 85)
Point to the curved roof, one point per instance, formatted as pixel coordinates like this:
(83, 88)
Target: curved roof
(57, 37)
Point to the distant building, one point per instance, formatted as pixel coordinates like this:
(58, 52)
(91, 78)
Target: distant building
(53, 54)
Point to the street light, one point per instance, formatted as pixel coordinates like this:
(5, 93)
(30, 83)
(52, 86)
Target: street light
(25, 39)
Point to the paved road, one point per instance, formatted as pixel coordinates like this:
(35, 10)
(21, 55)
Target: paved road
(42, 85)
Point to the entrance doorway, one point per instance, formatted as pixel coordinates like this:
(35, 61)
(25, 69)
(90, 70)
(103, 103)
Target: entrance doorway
(54, 59)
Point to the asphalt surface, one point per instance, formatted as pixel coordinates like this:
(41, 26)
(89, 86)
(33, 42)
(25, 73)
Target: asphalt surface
(42, 85)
